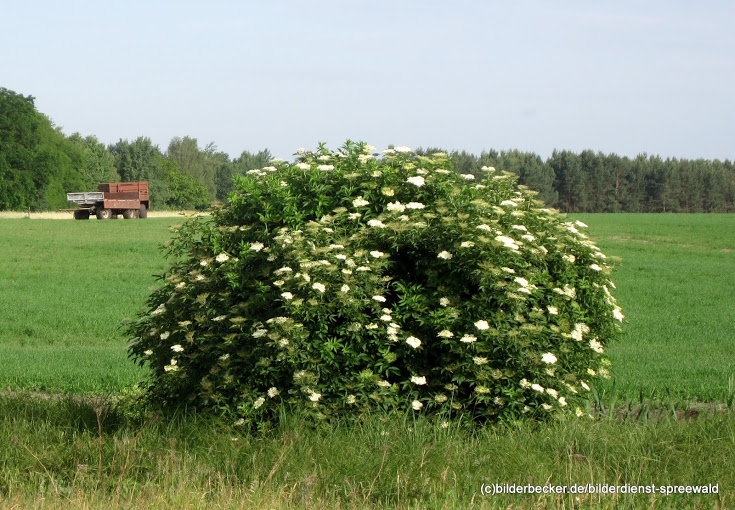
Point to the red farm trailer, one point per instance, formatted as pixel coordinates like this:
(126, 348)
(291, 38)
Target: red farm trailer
(112, 199)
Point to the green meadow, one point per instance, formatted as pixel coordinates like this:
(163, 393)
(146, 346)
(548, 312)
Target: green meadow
(66, 287)
(676, 284)
(664, 419)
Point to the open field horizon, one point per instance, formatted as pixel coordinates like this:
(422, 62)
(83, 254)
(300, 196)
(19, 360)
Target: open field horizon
(68, 285)
(68, 288)
(67, 215)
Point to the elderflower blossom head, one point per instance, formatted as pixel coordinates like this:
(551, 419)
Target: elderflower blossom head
(618, 315)
(596, 346)
(521, 281)
(508, 242)
(419, 381)
(416, 180)
(549, 358)
(396, 206)
(413, 342)
(376, 223)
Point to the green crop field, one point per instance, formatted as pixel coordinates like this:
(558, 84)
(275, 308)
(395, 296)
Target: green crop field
(676, 284)
(67, 286)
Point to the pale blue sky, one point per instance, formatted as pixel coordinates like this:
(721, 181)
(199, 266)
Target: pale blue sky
(614, 76)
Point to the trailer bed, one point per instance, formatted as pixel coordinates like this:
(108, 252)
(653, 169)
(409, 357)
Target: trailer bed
(130, 199)
(87, 198)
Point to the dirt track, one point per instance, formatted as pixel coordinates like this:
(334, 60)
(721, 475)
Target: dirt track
(62, 215)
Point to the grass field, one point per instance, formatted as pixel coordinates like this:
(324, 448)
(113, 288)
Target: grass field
(676, 284)
(67, 285)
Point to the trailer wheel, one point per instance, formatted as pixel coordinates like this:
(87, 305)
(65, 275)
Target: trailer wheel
(143, 212)
(81, 215)
(129, 214)
(104, 214)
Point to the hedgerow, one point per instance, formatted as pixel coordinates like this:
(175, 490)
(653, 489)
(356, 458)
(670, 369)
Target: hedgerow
(350, 282)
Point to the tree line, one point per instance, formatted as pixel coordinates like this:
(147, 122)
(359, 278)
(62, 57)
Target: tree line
(595, 182)
(39, 164)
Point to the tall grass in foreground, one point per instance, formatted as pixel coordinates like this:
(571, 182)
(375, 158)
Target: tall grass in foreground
(69, 453)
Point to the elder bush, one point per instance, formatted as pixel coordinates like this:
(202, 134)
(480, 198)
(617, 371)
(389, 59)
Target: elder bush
(347, 283)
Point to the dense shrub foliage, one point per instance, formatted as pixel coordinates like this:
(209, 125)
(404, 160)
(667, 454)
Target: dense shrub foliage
(349, 282)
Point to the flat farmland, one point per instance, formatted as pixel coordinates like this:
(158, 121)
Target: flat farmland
(68, 285)
(676, 284)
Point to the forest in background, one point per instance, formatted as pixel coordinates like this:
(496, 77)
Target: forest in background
(39, 164)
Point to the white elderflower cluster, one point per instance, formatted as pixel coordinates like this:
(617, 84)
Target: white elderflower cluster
(404, 262)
